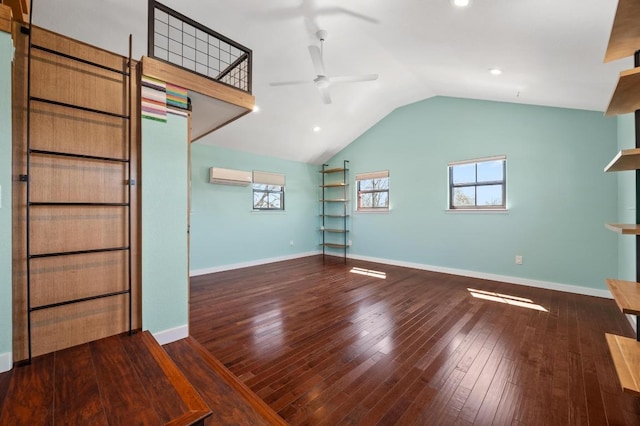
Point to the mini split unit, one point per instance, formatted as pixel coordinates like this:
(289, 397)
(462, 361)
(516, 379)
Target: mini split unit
(229, 177)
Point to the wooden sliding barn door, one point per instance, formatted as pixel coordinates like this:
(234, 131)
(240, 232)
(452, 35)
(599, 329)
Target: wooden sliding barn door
(75, 212)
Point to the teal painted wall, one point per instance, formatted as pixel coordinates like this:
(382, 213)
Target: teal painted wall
(626, 202)
(164, 189)
(224, 228)
(6, 54)
(557, 194)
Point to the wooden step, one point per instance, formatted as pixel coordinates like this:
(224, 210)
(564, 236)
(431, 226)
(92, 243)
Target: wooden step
(626, 294)
(119, 380)
(231, 401)
(626, 358)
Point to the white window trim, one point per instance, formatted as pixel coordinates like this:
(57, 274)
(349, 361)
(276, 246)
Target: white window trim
(366, 176)
(491, 210)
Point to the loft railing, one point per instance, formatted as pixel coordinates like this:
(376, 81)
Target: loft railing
(179, 40)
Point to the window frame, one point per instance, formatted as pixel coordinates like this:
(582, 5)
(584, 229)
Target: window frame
(268, 180)
(476, 184)
(371, 176)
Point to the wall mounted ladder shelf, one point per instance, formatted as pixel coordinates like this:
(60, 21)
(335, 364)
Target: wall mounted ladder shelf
(623, 42)
(61, 159)
(335, 208)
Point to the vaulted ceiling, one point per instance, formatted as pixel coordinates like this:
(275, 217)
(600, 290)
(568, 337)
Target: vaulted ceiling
(550, 51)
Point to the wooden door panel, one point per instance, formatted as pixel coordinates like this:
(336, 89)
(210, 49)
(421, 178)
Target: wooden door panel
(64, 229)
(56, 279)
(55, 179)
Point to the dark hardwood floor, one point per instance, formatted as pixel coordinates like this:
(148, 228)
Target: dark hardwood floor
(322, 344)
(119, 380)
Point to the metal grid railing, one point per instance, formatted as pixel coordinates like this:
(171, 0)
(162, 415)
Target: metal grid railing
(176, 39)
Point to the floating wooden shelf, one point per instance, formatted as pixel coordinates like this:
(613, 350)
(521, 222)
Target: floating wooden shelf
(336, 170)
(626, 96)
(625, 353)
(332, 245)
(336, 231)
(626, 294)
(624, 229)
(335, 200)
(627, 159)
(625, 32)
(334, 185)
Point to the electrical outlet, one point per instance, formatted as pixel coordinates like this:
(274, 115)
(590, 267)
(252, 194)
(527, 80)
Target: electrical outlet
(349, 243)
(291, 243)
(518, 260)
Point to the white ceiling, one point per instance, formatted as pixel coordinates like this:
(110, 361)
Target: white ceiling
(551, 52)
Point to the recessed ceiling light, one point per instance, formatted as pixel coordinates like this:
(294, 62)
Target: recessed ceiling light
(460, 3)
(495, 71)
(317, 129)
(256, 108)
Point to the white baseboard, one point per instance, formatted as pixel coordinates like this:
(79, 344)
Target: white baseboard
(197, 272)
(493, 277)
(6, 362)
(167, 336)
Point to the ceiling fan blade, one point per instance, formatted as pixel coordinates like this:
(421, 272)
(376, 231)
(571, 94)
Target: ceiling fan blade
(290, 83)
(316, 58)
(353, 78)
(324, 94)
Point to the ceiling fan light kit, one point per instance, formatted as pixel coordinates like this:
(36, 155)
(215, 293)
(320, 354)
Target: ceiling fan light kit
(322, 81)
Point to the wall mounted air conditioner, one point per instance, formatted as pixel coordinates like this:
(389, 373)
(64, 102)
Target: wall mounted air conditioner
(229, 176)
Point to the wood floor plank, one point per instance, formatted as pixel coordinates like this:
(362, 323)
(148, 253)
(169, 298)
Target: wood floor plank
(172, 397)
(30, 396)
(323, 345)
(76, 391)
(5, 381)
(227, 406)
(115, 372)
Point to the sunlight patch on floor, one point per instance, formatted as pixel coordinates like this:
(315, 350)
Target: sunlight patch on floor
(369, 273)
(505, 298)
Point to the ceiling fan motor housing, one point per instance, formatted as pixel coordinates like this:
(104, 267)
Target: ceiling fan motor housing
(322, 81)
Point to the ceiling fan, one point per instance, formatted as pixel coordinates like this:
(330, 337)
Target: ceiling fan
(322, 80)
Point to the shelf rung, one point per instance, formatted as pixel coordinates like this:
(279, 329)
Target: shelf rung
(83, 156)
(72, 253)
(335, 200)
(83, 299)
(75, 58)
(77, 204)
(625, 353)
(334, 185)
(625, 98)
(78, 107)
(626, 294)
(333, 245)
(337, 231)
(625, 32)
(624, 229)
(336, 170)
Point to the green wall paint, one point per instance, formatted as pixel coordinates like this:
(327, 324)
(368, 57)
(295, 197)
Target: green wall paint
(557, 194)
(164, 187)
(626, 202)
(6, 54)
(225, 230)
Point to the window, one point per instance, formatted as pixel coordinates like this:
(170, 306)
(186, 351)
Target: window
(478, 184)
(373, 191)
(268, 191)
